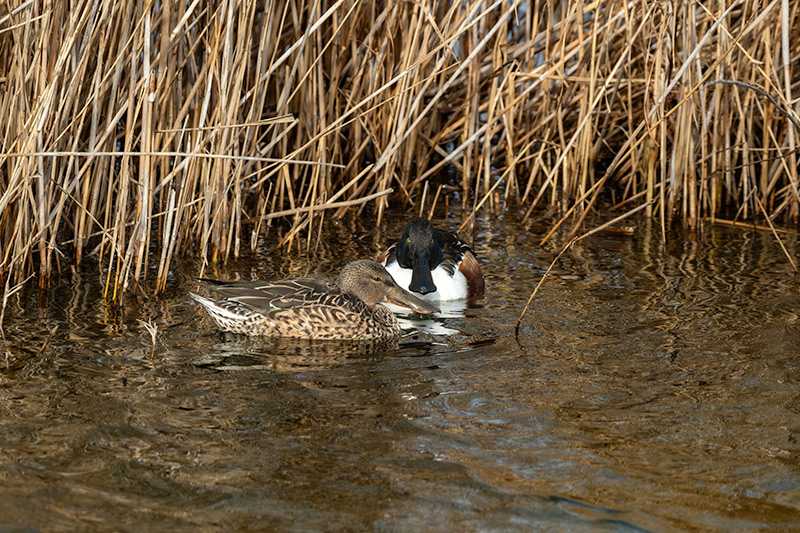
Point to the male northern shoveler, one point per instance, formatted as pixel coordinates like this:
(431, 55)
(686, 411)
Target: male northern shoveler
(313, 308)
(434, 262)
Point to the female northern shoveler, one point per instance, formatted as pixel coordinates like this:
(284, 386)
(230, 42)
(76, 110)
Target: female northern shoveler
(313, 308)
(434, 263)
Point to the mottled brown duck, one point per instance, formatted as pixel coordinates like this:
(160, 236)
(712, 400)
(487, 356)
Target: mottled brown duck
(313, 308)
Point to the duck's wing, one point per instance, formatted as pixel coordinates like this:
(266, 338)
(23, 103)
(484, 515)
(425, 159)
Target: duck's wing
(457, 255)
(266, 297)
(389, 256)
(453, 249)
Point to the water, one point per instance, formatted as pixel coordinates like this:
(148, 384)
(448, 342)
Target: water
(652, 387)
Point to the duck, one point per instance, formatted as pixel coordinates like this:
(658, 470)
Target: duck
(348, 308)
(434, 263)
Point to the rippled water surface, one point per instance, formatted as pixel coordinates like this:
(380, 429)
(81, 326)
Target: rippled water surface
(652, 387)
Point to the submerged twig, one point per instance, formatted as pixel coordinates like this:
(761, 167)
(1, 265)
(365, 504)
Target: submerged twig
(614, 220)
(152, 329)
(48, 339)
(752, 225)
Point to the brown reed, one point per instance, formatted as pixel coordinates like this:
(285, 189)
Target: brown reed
(135, 132)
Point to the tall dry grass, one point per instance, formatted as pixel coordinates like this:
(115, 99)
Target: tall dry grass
(134, 131)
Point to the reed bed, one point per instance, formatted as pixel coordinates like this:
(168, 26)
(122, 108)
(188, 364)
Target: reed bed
(134, 132)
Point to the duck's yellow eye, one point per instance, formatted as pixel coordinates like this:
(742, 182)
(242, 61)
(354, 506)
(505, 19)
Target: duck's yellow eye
(408, 239)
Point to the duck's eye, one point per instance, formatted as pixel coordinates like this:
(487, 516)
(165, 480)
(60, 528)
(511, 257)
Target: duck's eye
(376, 278)
(408, 240)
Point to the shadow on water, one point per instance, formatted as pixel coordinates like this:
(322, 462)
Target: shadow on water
(654, 387)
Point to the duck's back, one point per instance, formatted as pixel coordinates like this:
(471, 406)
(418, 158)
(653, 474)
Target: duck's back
(308, 308)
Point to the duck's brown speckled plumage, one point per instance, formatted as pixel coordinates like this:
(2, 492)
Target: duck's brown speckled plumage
(312, 308)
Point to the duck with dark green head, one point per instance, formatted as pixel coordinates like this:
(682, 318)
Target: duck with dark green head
(434, 263)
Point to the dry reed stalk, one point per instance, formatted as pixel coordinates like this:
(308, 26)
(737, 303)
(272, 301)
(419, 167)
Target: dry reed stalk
(133, 133)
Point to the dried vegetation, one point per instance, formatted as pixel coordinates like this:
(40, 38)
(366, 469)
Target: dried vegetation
(135, 131)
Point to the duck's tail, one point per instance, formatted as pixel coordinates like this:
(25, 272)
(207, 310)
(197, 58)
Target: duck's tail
(229, 315)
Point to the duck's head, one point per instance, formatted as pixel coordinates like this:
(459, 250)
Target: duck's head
(419, 251)
(370, 282)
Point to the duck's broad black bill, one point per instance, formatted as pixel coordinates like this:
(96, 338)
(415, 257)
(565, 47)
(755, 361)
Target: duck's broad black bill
(421, 278)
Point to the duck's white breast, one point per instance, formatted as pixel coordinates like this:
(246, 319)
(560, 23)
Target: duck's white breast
(448, 287)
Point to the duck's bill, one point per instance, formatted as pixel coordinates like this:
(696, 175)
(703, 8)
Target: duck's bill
(421, 277)
(403, 298)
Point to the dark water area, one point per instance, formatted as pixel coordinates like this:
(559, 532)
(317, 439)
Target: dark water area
(652, 387)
